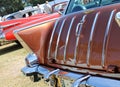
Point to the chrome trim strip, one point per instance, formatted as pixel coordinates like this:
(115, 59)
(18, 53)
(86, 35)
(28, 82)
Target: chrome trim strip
(46, 76)
(8, 25)
(91, 38)
(51, 39)
(80, 80)
(72, 77)
(58, 39)
(105, 38)
(68, 34)
(34, 24)
(77, 40)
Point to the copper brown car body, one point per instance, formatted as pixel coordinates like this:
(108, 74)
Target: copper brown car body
(82, 42)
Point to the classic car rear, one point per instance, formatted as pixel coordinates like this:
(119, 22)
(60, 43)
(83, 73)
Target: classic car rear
(81, 49)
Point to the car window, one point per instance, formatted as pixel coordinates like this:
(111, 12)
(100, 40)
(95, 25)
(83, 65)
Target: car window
(10, 17)
(78, 5)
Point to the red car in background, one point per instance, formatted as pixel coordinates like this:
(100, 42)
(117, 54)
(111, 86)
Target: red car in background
(7, 27)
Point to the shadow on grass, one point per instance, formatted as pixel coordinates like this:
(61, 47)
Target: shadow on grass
(9, 48)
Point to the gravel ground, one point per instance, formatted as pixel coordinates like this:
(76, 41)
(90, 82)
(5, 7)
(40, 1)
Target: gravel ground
(11, 61)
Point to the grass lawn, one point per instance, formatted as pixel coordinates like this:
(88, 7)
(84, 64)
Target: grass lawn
(11, 61)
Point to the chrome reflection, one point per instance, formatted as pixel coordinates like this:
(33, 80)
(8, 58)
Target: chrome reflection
(31, 60)
(51, 39)
(91, 38)
(78, 81)
(104, 48)
(51, 73)
(67, 38)
(58, 39)
(117, 18)
(78, 33)
(71, 79)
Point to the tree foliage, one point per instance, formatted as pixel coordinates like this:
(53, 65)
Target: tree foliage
(10, 6)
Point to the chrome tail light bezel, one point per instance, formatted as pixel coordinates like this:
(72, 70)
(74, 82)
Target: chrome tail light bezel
(31, 60)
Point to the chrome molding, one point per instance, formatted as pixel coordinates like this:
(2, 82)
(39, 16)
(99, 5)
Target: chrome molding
(58, 39)
(67, 38)
(91, 38)
(72, 79)
(31, 60)
(78, 31)
(106, 38)
(51, 73)
(51, 38)
(78, 81)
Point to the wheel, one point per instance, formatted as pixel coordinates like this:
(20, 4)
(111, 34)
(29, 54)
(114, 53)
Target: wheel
(34, 78)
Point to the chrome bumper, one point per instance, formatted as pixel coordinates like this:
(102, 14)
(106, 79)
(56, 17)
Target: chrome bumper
(69, 79)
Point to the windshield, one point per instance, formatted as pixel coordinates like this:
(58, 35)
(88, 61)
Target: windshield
(78, 5)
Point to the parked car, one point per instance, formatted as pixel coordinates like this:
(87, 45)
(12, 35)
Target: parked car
(20, 14)
(7, 27)
(7, 30)
(80, 49)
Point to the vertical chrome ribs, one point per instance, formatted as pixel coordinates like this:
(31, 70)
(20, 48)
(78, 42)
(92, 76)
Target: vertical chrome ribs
(78, 33)
(51, 39)
(67, 38)
(58, 39)
(106, 38)
(91, 38)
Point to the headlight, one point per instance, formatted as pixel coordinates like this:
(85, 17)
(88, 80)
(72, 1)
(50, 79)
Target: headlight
(31, 60)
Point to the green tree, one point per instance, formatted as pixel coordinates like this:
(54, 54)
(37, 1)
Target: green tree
(10, 6)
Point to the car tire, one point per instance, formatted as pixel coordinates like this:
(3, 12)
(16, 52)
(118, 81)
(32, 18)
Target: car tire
(34, 78)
